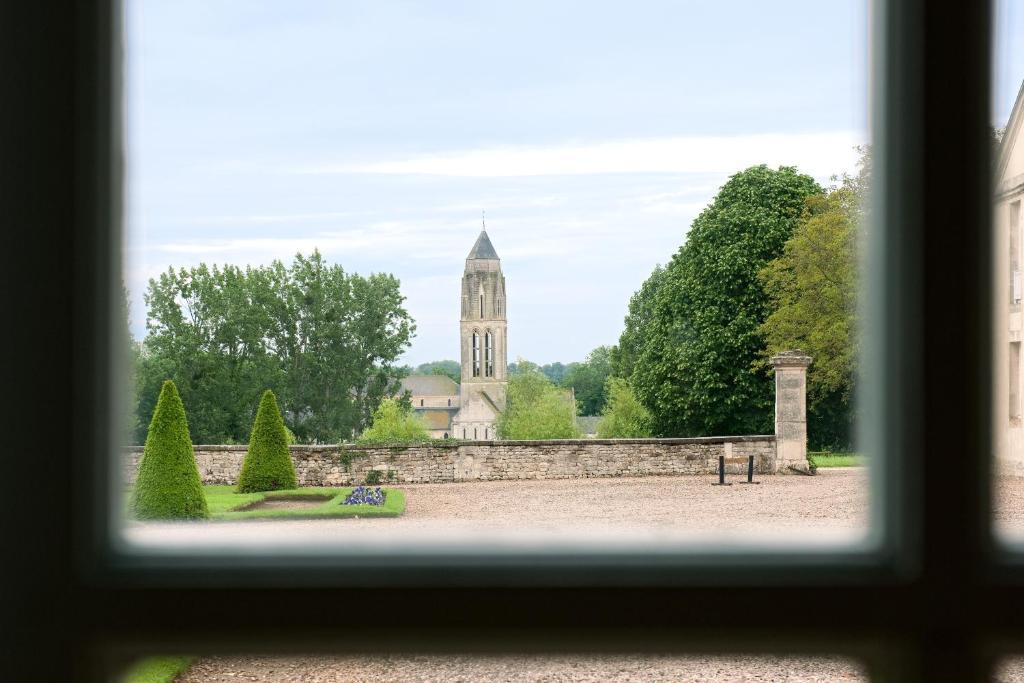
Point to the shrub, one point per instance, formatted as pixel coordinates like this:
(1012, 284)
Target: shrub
(393, 424)
(268, 462)
(624, 417)
(536, 408)
(168, 485)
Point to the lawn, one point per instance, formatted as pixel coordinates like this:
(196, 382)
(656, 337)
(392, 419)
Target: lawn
(824, 459)
(224, 503)
(157, 670)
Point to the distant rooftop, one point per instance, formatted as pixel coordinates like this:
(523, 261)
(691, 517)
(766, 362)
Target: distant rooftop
(430, 385)
(483, 249)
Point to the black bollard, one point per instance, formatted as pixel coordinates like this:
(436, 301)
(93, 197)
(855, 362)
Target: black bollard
(721, 472)
(750, 470)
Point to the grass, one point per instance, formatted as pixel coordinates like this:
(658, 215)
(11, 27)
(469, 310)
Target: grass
(824, 459)
(224, 503)
(157, 669)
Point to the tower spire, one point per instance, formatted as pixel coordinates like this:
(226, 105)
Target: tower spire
(483, 218)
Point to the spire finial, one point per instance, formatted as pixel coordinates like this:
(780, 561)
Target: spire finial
(483, 218)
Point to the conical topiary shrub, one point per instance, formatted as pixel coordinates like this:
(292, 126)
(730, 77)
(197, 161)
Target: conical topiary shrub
(268, 462)
(168, 485)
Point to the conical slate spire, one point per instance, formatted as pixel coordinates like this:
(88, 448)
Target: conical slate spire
(483, 249)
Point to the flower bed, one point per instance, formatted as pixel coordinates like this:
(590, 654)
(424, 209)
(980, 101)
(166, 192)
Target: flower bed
(364, 495)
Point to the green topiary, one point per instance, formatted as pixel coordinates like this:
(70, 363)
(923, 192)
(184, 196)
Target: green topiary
(168, 485)
(268, 462)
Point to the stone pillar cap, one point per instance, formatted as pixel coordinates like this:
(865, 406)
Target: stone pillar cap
(791, 359)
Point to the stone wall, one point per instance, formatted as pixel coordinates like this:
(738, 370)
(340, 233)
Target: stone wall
(495, 460)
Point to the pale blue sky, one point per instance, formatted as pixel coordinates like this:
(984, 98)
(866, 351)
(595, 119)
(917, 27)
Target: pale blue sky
(592, 133)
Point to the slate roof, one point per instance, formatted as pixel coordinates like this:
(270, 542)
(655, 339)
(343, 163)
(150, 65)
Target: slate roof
(483, 249)
(430, 385)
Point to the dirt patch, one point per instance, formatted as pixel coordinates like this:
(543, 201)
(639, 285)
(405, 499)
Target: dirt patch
(286, 503)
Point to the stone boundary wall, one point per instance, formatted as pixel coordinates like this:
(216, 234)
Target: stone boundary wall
(451, 461)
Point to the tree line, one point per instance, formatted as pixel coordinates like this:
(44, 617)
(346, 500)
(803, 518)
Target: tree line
(587, 379)
(324, 340)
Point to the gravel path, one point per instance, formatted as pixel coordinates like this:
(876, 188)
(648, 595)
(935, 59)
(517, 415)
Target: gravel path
(829, 508)
(567, 513)
(463, 669)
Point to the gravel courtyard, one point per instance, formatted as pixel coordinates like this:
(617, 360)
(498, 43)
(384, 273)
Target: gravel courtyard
(830, 508)
(595, 669)
(827, 509)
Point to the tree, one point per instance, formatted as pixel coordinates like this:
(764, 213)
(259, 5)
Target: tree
(168, 484)
(393, 423)
(813, 288)
(536, 408)
(623, 417)
(324, 340)
(268, 462)
(588, 380)
(641, 312)
(695, 372)
(448, 368)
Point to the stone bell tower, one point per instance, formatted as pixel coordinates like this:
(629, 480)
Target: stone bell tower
(483, 329)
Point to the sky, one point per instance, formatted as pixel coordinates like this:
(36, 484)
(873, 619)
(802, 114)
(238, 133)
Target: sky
(591, 133)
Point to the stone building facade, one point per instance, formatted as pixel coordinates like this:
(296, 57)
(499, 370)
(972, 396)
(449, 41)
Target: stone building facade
(1008, 258)
(470, 409)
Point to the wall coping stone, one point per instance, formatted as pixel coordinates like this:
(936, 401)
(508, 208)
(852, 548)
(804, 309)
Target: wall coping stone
(455, 443)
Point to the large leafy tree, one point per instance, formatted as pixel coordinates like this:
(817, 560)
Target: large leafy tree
(641, 312)
(536, 408)
(813, 287)
(588, 379)
(324, 340)
(696, 369)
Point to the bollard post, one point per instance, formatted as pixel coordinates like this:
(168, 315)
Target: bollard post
(750, 471)
(721, 472)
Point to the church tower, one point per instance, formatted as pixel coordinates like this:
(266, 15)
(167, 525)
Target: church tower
(484, 343)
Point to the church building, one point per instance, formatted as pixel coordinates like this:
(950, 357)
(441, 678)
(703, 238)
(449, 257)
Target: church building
(469, 410)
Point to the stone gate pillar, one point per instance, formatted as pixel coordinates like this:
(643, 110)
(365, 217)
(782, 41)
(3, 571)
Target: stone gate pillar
(790, 411)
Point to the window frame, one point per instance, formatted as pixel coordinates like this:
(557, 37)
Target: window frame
(935, 599)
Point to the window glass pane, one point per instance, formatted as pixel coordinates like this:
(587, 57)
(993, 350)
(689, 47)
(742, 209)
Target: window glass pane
(675, 202)
(1008, 146)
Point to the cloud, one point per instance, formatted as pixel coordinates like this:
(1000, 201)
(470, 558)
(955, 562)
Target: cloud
(819, 154)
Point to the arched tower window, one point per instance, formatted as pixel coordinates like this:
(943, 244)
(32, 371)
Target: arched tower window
(481, 306)
(489, 354)
(476, 354)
